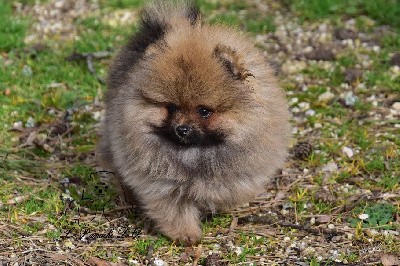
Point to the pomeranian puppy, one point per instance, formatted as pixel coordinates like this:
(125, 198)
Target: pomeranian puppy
(195, 121)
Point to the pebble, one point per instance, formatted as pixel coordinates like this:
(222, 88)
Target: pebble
(331, 226)
(295, 110)
(304, 106)
(238, 250)
(294, 101)
(17, 126)
(292, 67)
(310, 112)
(159, 262)
(348, 152)
(326, 96)
(97, 115)
(350, 99)
(324, 219)
(396, 106)
(363, 216)
(330, 168)
(30, 122)
(52, 112)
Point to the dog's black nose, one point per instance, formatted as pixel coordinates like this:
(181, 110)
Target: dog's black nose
(183, 131)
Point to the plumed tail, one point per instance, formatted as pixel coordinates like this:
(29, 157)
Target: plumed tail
(163, 12)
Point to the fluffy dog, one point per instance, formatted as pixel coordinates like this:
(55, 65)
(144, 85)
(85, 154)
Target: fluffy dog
(195, 121)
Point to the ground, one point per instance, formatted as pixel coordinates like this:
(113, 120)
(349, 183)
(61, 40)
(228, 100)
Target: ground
(336, 201)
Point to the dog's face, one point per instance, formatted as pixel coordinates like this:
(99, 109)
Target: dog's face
(198, 97)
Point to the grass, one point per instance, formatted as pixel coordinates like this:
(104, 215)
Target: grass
(60, 200)
(12, 31)
(384, 12)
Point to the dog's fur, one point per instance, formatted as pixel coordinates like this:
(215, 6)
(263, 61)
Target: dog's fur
(176, 71)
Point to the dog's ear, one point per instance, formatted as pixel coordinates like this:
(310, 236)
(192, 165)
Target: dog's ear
(232, 62)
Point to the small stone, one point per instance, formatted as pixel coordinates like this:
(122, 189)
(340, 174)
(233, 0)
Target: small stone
(350, 99)
(376, 48)
(292, 67)
(324, 219)
(312, 220)
(330, 168)
(310, 112)
(348, 152)
(326, 96)
(238, 250)
(52, 112)
(294, 101)
(30, 122)
(17, 126)
(286, 239)
(48, 148)
(363, 216)
(304, 106)
(97, 115)
(331, 226)
(295, 110)
(396, 106)
(159, 262)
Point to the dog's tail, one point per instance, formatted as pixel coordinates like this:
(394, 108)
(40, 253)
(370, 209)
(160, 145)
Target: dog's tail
(162, 13)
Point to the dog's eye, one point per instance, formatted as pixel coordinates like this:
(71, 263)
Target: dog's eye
(172, 108)
(204, 112)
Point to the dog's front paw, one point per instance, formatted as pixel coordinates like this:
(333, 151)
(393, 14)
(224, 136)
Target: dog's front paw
(187, 235)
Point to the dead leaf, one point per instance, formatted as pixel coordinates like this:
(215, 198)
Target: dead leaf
(390, 260)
